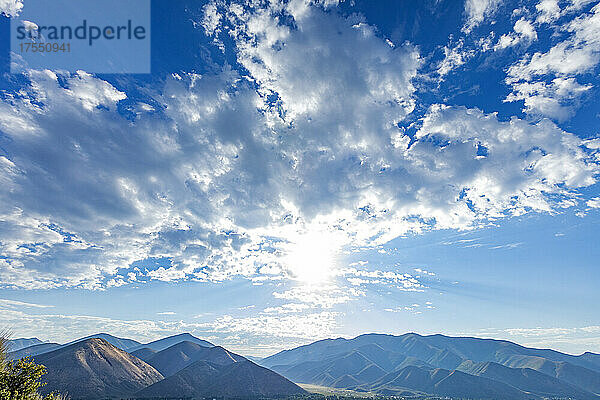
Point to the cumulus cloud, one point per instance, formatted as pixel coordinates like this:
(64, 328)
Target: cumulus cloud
(225, 173)
(11, 8)
(547, 82)
(554, 99)
(549, 11)
(477, 11)
(594, 203)
(523, 33)
(454, 57)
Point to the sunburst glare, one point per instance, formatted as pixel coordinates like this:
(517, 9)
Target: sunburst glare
(313, 257)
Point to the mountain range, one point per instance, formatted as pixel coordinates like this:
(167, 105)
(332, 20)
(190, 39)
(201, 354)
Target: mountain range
(18, 344)
(38, 347)
(183, 366)
(440, 365)
(94, 368)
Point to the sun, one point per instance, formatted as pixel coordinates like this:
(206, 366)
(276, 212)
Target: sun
(312, 258)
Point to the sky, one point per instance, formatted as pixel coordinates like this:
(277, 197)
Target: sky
(292, 171)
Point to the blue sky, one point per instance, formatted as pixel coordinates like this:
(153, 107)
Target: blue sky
(300, 170)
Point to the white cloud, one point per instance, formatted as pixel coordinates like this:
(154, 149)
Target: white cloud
(414, 309)
(592, 143)
(594, 203)
(477, 11)
(553, 99)
(403, 282)
(11, 8)
(454, 57)
(308, 326)
(553, 156)
(572, 340)
(288, 308)
(229, 171)
(64, 328)
(211, 19)
(166, 313)
(324, 297)
(424, 272)
(507, 246)
(523, 33)
(547, 81)
(20, 304)
(264, 333)
(549, 11)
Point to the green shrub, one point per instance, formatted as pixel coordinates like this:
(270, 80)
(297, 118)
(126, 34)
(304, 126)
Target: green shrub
(21, 379)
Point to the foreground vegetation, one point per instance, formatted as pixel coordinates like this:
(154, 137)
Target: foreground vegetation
(21, 380)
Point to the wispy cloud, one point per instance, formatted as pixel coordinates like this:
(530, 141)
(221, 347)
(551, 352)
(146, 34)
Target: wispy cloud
(21, 304)
(569, 339)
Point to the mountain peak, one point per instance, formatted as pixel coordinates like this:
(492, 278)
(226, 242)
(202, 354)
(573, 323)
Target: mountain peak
(94, 368)
(164, 343)
(121, 343)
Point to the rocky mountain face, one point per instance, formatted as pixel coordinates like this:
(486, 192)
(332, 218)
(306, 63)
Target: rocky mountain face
(96, 369)
(93, 368)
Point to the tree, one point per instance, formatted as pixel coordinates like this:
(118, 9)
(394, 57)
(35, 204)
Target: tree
(20, 380)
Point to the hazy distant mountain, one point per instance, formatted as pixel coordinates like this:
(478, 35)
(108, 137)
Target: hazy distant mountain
(242, 379)
(175, 358)
(123, 344)
(591, 358)
(143, 353)
(363, 362)
(525, 379)
(33, 350)
(164, 343)
(579, 376)
(183, 366)
(485, 349)
(128, 345)
(446, 383)
(410, 345)
(439, 350)
(41, 348)
(21, 343)
(93, 369)
(192, 370)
